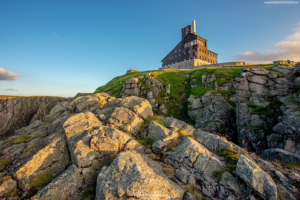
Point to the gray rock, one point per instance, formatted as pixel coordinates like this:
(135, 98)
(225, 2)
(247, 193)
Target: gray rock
(182, 174)
(65, 186)
(83, 102)
(214, 142)
(229, 182)
(285, 193)
(157, 131)
(258, 79)
(279, 155)
(138, 105)
(135, 175)
(256, 178)
(188, 149)
(52, 159)
(255, 70)
(275, 141)
(297, 81)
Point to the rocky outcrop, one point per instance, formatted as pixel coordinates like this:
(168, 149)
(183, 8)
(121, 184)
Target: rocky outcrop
(19, 112)
(150, 88)
(101, 147)
(214, 114)
(261, 100)
(86, 133)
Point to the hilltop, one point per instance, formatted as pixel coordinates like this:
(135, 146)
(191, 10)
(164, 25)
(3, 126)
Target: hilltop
(210, 133)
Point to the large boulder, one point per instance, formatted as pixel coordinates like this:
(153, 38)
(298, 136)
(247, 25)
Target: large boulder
(126, 114)
(136, 176)
(83, 102)
(178, 125)
(78, 130)
(256, 178)
(187, 152)
(66, 186)
(157, 131)
(214, 142)
(59, 107)
(279, 155)
(140, 106)
(51, 160)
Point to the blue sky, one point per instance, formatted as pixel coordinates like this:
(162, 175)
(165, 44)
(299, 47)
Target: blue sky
(59, 48)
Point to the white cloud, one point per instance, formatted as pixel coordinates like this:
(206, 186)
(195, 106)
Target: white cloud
(11, 89)
(7, 76)
(55, 35)
(289, 49)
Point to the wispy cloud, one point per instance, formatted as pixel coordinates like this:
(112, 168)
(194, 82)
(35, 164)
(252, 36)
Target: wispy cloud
(7, 76)
(55, 35)
(289, 49)
(11, 89)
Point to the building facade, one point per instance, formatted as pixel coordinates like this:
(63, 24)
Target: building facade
(191, 47)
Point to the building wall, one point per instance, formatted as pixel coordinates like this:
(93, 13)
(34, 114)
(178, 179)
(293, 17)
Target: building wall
(184, 52)
(189, 64)
(196, 63)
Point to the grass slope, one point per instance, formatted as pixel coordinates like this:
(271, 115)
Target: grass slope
(180, 85)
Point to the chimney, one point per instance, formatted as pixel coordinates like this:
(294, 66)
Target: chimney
(194, 27)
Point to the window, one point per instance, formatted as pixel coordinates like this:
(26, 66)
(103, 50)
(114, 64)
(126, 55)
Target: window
(183, 52)
(179, 54)
(175, 56)
(184, 59)
(179, 50)
(175, 51)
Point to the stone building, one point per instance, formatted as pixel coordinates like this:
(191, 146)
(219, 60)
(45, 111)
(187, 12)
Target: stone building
(190, 52)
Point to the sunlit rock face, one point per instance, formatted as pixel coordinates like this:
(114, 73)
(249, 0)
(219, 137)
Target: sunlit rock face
(101, 147)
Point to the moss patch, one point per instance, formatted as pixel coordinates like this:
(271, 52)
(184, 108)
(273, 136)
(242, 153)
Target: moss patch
(268, 110)
(147, 141)
(170, 171)
(3, 164)
(41, 180)
(21, 139)
(230, 155)
(219, 173)
(197, 193)
(159, 120)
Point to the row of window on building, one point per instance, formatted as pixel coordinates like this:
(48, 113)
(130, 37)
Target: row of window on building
(213, 55)
(191, 43)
